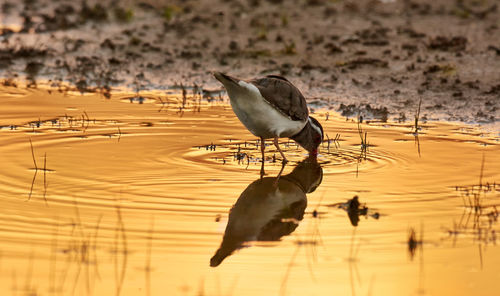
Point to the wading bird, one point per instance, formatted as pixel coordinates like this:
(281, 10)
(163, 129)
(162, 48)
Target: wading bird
(271, 108)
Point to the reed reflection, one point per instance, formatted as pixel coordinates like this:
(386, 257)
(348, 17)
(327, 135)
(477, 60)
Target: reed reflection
(355, 209)
(269, 208)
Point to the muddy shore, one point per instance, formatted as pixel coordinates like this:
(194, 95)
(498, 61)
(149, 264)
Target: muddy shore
(377, 58)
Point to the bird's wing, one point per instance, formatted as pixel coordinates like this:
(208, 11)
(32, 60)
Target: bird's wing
(283, 95)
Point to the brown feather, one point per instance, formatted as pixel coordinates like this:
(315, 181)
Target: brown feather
(283, 96)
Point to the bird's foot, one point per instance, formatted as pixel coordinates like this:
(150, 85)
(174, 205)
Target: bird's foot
(282, 168)
(262, 172)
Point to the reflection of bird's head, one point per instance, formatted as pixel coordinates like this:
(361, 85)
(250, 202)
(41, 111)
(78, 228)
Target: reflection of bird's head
(228, 246)
(308, 174)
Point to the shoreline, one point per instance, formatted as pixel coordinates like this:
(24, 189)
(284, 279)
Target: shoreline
(385, 54)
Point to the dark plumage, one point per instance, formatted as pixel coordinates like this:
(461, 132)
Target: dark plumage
(283, 95)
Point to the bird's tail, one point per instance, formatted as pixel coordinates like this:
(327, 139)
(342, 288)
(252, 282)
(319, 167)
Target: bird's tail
(225, 79)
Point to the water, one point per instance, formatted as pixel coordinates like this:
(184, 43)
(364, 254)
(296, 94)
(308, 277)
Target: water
(131, 196)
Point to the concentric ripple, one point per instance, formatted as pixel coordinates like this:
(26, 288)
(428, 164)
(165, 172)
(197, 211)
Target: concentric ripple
(90, 186)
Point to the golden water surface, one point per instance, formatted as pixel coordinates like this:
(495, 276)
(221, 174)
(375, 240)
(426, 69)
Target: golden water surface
(131, 196)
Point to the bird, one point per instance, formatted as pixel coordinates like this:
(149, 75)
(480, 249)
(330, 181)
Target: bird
(271, 107)
(265, 212)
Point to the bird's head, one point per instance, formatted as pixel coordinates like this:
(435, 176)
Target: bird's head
(311, 136)
(316, 134)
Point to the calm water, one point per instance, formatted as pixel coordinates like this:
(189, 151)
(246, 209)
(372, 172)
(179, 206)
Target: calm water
(134, 199)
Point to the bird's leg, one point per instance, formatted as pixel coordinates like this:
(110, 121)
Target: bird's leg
(282, 165)
(262, 148)
(281, 152)
(279, 175)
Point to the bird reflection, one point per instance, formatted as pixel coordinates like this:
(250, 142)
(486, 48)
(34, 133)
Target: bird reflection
(269, 208)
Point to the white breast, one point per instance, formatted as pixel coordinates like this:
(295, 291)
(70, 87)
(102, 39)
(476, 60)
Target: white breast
(258, 116)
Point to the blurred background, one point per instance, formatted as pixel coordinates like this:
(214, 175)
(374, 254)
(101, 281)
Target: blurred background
(384, 53)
